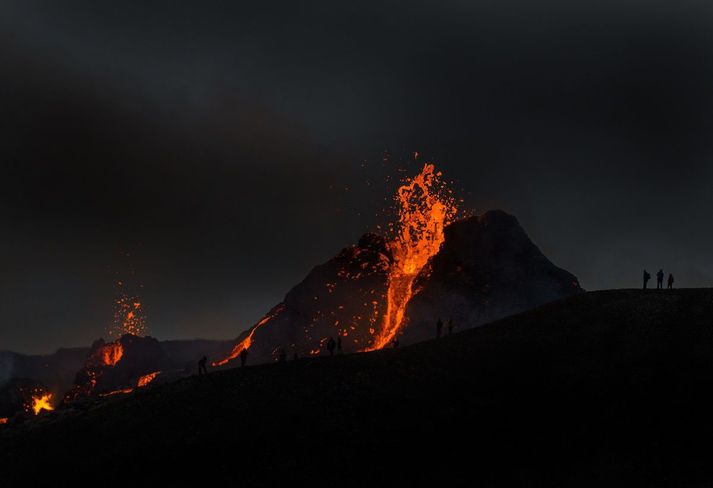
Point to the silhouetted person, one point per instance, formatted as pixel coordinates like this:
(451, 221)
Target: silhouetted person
(243, 357)
(339, 344)
(659, 280)
(295, 357)
(331, 345)
(439, 328)
(201, 366)
(647, 277)
(450, 326)
(283, 356)
(670, 281)
(394, 342)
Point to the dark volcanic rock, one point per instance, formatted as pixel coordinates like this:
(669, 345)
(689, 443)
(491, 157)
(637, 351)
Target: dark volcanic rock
(337, 297)
(488, 268)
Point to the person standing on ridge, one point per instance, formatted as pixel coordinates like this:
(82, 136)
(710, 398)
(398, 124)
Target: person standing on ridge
(243, 357)
(201, 366)
(659, 280)
(330, 346)
(450, 326)
(339, 344)
(439, 328)
(670, 281)
(647, 277)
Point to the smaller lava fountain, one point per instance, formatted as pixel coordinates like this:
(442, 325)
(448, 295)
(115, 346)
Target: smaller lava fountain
(128, 320)
(39, 400)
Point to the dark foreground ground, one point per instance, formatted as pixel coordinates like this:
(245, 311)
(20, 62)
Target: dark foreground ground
(604, 389)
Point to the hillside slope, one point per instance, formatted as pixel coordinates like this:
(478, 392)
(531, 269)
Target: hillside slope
(603, 388)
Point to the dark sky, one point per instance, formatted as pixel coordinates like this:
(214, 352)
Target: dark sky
(214, 142)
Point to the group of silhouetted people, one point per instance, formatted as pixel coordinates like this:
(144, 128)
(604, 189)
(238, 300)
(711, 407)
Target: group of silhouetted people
(659, 279)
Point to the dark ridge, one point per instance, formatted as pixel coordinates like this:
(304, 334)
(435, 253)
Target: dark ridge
(605, 388)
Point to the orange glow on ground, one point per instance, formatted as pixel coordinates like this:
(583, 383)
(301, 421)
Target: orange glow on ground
(117, 392)
(3, 420)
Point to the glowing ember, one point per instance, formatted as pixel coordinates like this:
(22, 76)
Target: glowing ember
(41, 402)
(248, 341)
(146, 379)
(3, 420)
(129, 315)
(425, 208)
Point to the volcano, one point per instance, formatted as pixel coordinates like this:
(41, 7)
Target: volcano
(118, 366)
(486, 268)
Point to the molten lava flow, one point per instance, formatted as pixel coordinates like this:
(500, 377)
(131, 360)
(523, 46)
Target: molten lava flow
(111, 353)
(425, 208)
(146, 379)
(142, 382)
(117, 392)
(248, 341)
(3, 420)
(41, 402)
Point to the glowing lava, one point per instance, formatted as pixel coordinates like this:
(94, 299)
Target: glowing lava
(110, 354)
(425, 208)
(146, 379)
(142, 382)
(117, 392)
(248, 341)
(41, 402)
(3, 420)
